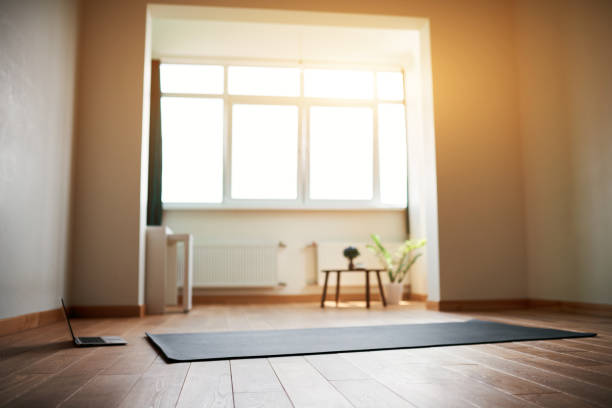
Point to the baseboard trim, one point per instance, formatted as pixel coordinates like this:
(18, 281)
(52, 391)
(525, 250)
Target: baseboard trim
(27, 321)
(416, 297)
(295, 298)
(108, 311)
(598, 309)
(276, 299)
(473, 305)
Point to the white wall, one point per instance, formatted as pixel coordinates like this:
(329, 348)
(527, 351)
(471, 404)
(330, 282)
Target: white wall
(37, 77)
(565, 61)
(297, 229)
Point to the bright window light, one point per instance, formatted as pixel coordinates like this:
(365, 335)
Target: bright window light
(330, 83)
(264, 81)
(191, 79)
(390, 86)
(264, 152)
(232, 140)
(341, 157)
(392, 154)
(192, 143)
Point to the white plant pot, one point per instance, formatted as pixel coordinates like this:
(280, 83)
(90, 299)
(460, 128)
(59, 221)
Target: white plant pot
(394, 292)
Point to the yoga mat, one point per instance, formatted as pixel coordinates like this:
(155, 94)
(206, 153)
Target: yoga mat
(273, 343)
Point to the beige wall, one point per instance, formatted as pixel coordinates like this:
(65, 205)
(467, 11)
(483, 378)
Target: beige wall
(38, 41)
(565, 61)
(107, 226)
(480, 198)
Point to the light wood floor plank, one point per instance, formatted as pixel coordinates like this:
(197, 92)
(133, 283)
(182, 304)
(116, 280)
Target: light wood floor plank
(587, 345)
(52, 392)
(556, 400)
(208, 384)
(574, 359)
(499, 380)
(589, 392)
(269, 399)
(254, 375)
(335, 367)
(365, 393)
(483, 395)
(15, 385)
(304, 385)
(158, 387)
(256, 384)
(136, 362)
(427, 395)
(579, 373)
(102, 392)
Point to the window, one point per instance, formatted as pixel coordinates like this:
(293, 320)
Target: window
(329, 83)
(282, 137)
(191, 79)
(341, 145)
(192, 149)
(264, 152)
(264, 81)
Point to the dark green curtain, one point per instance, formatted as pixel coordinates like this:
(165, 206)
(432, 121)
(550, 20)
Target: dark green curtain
(154, 203)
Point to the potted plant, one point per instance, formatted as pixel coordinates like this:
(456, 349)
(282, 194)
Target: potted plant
(398, 264)
(351, 253)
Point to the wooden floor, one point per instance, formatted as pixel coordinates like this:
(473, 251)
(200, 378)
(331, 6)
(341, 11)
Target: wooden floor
(40, 368)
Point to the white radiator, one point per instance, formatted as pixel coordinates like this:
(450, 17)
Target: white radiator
(233, 265)
(329, 256)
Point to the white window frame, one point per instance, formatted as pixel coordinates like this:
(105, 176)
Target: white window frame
(303, 103)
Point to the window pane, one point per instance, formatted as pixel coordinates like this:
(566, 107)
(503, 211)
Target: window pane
(264, 151)
(188, 78)
(328, 83)
(264, 81)
(390, 86)
(192, 146)
(392, 154)
(341, 141)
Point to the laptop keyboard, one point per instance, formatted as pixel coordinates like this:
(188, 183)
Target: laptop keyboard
(92, 340)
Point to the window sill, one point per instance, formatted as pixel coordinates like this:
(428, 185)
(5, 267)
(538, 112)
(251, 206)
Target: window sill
(279, 207)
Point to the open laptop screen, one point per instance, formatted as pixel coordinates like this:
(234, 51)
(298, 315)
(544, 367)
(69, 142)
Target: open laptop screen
(68, 320)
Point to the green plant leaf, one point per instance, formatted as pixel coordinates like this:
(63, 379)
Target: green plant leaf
(399, 262)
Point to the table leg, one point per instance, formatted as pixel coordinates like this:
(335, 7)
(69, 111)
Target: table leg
(337, 287)
(324, 290)
(367, 289)
(380, 288)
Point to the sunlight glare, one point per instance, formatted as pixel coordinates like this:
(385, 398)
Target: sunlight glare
(264, 151)
(192, 144)
(336, 83)
(341, 156)
(191, 79)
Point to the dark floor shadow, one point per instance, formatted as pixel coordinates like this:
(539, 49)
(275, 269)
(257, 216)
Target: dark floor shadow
(9, 352)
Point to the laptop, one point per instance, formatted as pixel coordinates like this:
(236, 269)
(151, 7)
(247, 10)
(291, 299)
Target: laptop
(92, 341)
